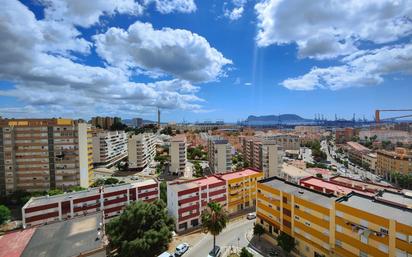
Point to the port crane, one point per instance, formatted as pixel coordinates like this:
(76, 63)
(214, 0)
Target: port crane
(378, 114)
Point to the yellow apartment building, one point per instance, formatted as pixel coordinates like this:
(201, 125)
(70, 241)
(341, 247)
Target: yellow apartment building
(241, 189)
(323, 225)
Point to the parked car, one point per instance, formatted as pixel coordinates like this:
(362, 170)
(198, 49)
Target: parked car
(165, 254)
(215, 252)
(251, 216)
(181, 249)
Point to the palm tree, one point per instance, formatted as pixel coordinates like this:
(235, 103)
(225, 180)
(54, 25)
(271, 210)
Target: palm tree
(214, 220)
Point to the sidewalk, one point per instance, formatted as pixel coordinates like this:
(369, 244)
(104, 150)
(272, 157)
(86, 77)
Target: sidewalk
(263, 246)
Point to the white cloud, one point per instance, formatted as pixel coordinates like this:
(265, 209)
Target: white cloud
(87, 13)
(236, 10)
(363, 68)
(38, 59)
(248, 83)
(235, 13)
(175, 52)
(330, 28)
(170, 6)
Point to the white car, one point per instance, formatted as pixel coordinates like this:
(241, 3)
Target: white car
(215, 252)
(165, 254)
(181, 249)
(251, 216)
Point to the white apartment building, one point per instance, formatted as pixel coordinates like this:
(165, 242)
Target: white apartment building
(141, 150)
(272, 159)
(109, 147)
(178, 154)
(220, 155)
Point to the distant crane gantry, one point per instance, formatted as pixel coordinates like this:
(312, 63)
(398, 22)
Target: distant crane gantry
(378, 114)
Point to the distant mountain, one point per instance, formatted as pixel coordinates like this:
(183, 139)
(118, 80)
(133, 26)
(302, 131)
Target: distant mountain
(275, 119)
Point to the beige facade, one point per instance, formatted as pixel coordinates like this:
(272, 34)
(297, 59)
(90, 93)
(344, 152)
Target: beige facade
(43, 154)
(141, 150)
(220, 155)
(178, 154)
(398, 161)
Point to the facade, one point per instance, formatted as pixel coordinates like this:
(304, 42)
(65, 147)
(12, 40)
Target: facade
(110, 200)
(104, 122)
(187, 199)
(178, 154)
(308, 129)
(398, 161)
(43, 154)
(141, 150)
(356, 152)
(393, 136)
(109, 147)
(272, 159)
(137, 122)
(293, 174)
(370, 160)
(219, 154)
(323, 225)
(235, 191)
(263, 154)
(241, 189)
(344, 135)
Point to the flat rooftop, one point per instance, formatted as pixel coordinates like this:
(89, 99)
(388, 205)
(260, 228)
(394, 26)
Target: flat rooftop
(13, 244)
(368, 185)
(372, 206)
(330, 186)
(299, 191)
(188, 184)
(42, 200)
(238, 174)
(65, 239)
(397, 198)
(358, 147)
(294, 171)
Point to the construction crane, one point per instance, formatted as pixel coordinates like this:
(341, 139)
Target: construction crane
(378, 114)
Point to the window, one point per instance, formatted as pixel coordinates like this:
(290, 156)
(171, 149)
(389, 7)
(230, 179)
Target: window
(400, 236)
(383, 248)
(363, 254)
(339, 214)
(296, 218)
(307, 223)
(338, 243)
(339, 228)
(363, 239)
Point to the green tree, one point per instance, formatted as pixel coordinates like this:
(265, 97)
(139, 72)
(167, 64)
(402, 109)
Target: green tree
(163, 191)
(318, 175)
(245, 253)
(214, 220)
(198, 170)
(55, 192)
(111, 181)
(142, 230)
(258, 230)
(286, 242)
(5, 214)
(98, 182)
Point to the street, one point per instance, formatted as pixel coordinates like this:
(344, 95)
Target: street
(233, 236)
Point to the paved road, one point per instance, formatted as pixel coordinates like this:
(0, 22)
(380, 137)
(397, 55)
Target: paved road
(229, 237)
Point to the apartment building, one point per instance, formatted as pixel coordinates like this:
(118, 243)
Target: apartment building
(104, 122)
(111, 200)
(109, 147)
(369, 160)
(219, 154)
(393, 136)
(178, 154)
(187, 199)
(141, 150)
(356, 152)
(344, 135)
(308, 129)
(43, 154)
(398, 161)
(241, 189)
(323, 225)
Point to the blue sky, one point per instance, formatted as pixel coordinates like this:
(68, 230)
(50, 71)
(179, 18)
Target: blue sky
(204, 60)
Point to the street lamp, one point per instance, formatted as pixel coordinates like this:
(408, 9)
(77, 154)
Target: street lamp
(238, 243)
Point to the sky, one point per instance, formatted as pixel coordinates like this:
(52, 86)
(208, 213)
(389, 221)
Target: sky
(204, 60)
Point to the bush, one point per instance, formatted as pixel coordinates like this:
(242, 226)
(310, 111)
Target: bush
(245, 253)
(5, 214)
